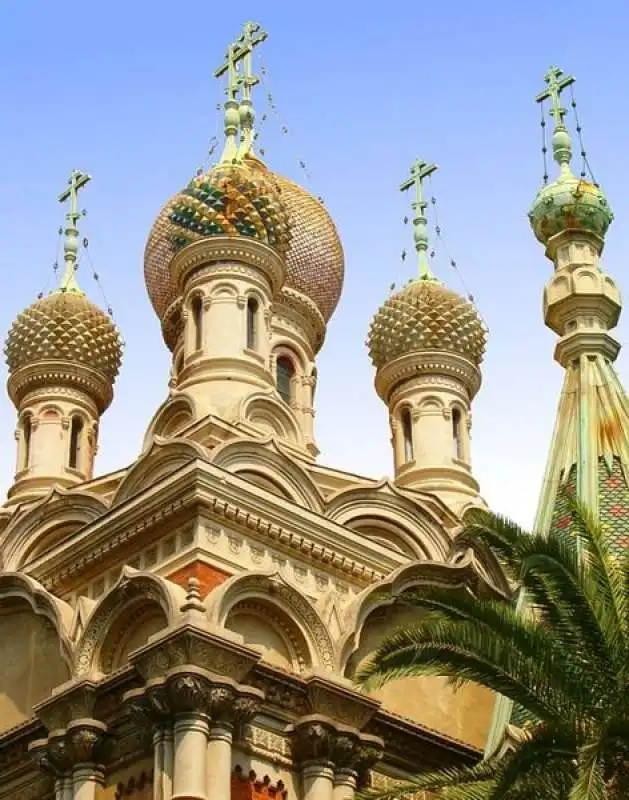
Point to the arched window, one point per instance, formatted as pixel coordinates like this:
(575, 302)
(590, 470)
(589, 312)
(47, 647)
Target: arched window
(407, 433)
(197, 321)
(252, 323)
(27, 429)
(457, 437)
(76, 431)
(284, 373)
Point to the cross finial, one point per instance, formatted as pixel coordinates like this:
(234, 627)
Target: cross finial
(240, 115)
(556, 82)
(76, 182)
(420, 170)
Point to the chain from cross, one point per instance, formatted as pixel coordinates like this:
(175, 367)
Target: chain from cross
(76, 182)
(556, 82)
(419, 171)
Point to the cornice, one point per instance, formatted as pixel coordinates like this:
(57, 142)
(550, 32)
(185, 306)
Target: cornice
(427, 362)
(226, 249)
(56, 373)
(300, 310)
(199, 485)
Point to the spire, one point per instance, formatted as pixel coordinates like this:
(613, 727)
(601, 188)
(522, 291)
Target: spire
(419, 171)
(76, 182)
(240, 115)
(556, 82)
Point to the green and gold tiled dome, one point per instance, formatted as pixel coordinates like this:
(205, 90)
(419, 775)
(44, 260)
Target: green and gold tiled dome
(570, 203)
(426, 315)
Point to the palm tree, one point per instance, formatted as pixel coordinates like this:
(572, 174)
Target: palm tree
(564, 661)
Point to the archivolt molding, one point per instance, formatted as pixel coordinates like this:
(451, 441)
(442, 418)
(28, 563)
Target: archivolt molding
(274, 590)
(131, 588)
(163, 457)
(386, 503)
(268, 459)
(465, 572)
(37, 521)
(266, 411)
(177, 403)
(43, 603)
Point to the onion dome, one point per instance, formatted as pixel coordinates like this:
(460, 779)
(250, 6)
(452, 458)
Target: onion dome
(570, 203)
(426, 315)
(65, 327)
(313, 256)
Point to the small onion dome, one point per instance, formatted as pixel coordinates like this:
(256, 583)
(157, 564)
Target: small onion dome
(426, 315)
(66, 327)
(314, 256)
(570, 203)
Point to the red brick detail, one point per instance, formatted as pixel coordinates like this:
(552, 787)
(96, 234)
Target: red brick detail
(209, 577)
(613, 483)
(564, 522)
(248, 787)
(618, 511)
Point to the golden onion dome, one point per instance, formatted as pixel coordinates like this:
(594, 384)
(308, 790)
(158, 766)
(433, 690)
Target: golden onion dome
(313, 255)
(426, 315)
(65, 326)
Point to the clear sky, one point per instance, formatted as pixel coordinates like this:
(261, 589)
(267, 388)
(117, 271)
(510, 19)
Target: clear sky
(124, 90)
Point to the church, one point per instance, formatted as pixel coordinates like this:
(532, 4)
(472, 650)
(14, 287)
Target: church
(189, 626)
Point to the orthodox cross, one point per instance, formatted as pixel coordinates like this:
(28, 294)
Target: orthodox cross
(419, 171)
(556, 82)
(240, 51)
(76, 182)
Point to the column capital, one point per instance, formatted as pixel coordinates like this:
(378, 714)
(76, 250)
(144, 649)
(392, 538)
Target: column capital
(190, 689)
(318, 740)
(83, 742)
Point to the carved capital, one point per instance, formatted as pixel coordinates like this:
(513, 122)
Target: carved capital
(84, 741)
(317, 740)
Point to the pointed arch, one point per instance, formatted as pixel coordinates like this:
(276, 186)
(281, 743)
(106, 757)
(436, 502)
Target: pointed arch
(283, 602)
(270, 462)
(42, 525)
(134, 593)
(163, 457)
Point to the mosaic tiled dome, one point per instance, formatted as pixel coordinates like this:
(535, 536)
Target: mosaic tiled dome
(314, 256)
(426, 315)
(569, 203)
(65, 326)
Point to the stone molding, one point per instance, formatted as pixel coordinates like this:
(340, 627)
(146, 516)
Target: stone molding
(221, 249)
(60, 373)
(294, 309)
(438, 362)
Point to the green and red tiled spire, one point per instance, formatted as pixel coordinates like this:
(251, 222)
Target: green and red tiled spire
(589, 453)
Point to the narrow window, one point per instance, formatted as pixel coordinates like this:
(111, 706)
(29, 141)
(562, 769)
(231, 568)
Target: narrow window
(26, 433)
(197, 318)
(407, 432)
(457, 438)
(76, 429)
(284, 376)
(252, 323)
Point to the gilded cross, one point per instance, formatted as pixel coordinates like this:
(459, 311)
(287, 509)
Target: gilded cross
(556, 82)
(419, 171)
(76, 182)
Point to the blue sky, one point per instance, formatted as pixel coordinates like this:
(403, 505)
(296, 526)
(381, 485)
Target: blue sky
(125, 91)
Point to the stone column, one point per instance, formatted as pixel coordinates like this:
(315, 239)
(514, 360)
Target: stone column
(190, 753)
(163, 762)
(345, 784)
(231, 706)
(317, 778)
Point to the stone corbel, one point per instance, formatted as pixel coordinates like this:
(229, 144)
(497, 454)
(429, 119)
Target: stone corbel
(340, 702)
(74, 700)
